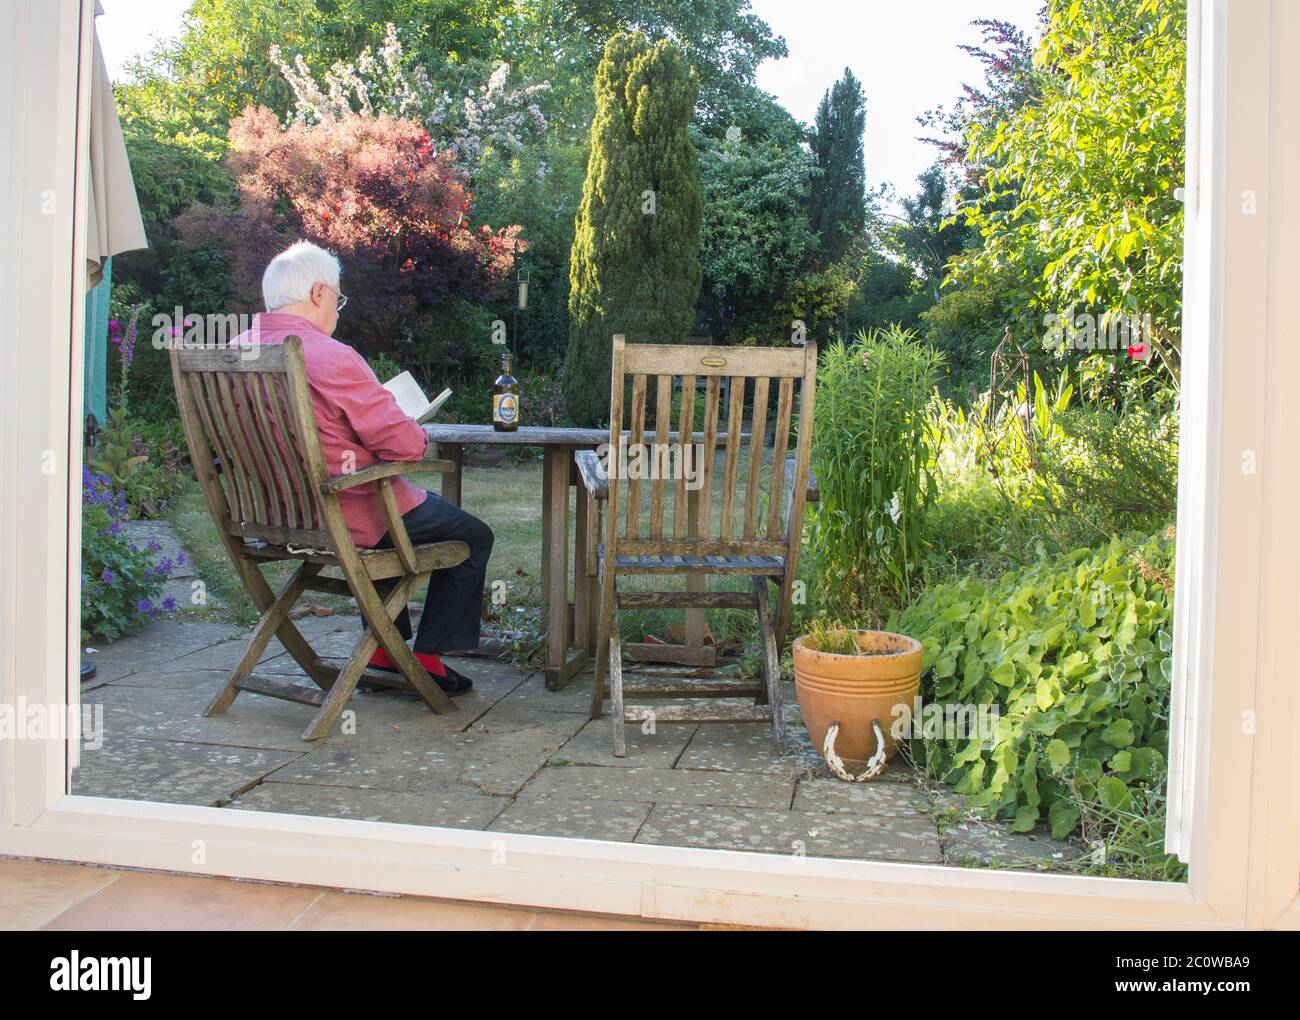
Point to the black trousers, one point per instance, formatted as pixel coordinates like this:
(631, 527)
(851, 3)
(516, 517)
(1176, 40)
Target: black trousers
(451, 617)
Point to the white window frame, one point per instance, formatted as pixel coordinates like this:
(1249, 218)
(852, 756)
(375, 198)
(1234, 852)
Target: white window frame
(1235, 813)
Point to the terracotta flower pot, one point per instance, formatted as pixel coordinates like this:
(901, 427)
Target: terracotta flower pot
(852, 690)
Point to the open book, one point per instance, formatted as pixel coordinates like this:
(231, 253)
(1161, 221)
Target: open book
(411, 399)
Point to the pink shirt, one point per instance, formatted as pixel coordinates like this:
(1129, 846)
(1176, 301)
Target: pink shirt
(359, 421)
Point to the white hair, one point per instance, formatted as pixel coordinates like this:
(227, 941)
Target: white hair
(293, 272)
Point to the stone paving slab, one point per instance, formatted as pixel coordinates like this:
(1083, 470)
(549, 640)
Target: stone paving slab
(676, 786)
(575, 697)
(172, 771)
(176, 714)
(747, 747)
(834, 796)
(496, 761)
(507, 748)
(450, 806)
(594, 745)
(888, 838)
(161, 641)
(985, 843)
(580, 819)
(197, 680)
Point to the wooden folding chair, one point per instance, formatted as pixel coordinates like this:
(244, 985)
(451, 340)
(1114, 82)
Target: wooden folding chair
(746, 536)
(255, 448)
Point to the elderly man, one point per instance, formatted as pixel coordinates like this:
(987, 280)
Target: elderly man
(361, 424)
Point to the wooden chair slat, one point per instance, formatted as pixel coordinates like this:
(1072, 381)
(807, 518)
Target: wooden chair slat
(205, 447)
(231, 476)
(709, 450)
(659, 456)
(780, 442)
(688, 458)
(756, 446)
(228, 408)
(257, 442)
(286, 498)
(735, 423)
(308, 496)
(635, 439)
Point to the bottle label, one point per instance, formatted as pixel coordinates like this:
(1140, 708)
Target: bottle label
(505, 408)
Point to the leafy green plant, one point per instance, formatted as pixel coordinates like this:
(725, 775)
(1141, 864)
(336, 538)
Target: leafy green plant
(1127, 840)
(1103, 138)
(873, 453)
(1074, 651)
(120, 580)
(1124, 464)
(143, 461)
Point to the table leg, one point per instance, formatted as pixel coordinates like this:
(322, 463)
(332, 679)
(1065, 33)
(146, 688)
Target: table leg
(455, 453)
(555, 566)
(581, 585)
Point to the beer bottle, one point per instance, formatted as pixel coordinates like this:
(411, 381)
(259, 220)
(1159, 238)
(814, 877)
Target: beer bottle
(505, 399)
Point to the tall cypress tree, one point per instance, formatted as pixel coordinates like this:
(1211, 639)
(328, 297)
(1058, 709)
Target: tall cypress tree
(837, 206)
(634, 267)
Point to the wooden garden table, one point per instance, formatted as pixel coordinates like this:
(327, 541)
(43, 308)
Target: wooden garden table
(565, 657)
(558, 474)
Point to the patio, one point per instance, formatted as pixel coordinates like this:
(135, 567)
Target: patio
(516, 758)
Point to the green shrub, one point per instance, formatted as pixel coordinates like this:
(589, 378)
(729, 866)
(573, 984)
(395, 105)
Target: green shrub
(1074, 652)
(1122, 465)
(143, 458)
(120, 581)
(873, 454)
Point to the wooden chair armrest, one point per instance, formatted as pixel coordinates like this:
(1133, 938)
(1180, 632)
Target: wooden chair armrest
(592, 477)
(384, 469)
(397, 527)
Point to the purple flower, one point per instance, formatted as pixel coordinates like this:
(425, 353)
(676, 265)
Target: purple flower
(169, 605)
(115, 529)
(114, 327)
(106, 576)
(144, 606)
(180, 559)
(154, 546)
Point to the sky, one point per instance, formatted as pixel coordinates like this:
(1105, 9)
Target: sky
(903, 51)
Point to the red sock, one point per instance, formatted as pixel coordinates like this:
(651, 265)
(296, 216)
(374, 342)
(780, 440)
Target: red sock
(382, 660)
(432, 663)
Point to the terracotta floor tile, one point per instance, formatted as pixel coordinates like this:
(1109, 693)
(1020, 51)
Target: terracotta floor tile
(139, 901)
(69, 897)
(355, 912)
(560, 921)
(34, 892)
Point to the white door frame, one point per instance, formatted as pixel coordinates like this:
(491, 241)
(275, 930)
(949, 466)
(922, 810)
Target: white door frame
(1238, 822)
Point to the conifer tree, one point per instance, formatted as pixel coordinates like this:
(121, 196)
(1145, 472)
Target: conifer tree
(634, 266)
(838, 201)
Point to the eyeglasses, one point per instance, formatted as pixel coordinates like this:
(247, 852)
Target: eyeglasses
(340, 299)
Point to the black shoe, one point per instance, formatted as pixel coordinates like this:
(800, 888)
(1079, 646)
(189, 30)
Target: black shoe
(453, 683)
